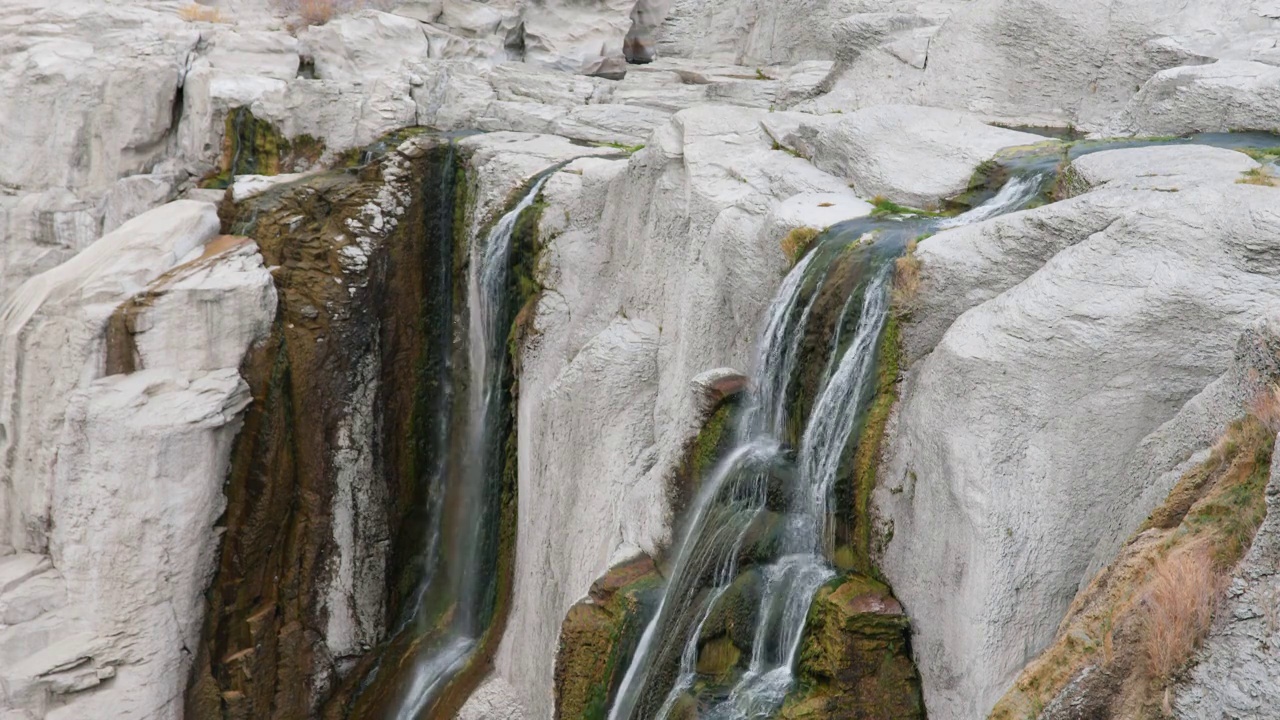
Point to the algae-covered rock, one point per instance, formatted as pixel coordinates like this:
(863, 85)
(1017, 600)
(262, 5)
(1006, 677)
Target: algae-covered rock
(323, 473)
(599, 634)
(729, 629)
(855, 659)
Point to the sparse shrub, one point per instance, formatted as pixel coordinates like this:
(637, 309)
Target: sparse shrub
(797, 242)
(1180, 604)
(1266, 407)
(1259, 176)
(200, 13)
(316, 12)
(319, 12)
(906, 281)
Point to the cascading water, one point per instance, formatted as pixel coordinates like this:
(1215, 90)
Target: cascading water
(454, 602)
(781, 475)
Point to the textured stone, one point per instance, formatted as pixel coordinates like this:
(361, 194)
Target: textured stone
(1224, 96)
(911, 155)
(854, 657)
(1085, 325)
(658, 269)
(130, 486)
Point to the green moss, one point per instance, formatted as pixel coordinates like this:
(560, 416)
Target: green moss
(1262, 155)
(718, 658)
(628, 149)
(866, 457)
(855, 657)
(883, 206)
(703, 453)
(253, 146)
(709, 445)
(599, 635)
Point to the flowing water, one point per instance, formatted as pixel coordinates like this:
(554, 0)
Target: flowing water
(782, 473)
(454, 602)
(767, 517)
(788, 457)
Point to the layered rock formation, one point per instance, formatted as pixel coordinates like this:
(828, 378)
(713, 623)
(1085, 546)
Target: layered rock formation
(205, 505)
(997, 522)
(113, 482)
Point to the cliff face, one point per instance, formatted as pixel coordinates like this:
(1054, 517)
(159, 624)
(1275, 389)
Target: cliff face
(234, 276)
(113, 482)
(321, 477)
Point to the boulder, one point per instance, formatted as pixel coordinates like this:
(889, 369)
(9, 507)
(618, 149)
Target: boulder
(112, 79)
(42, 230)
(131, 196)
(261, 53)
(54, 329)
(855, 657)
(1158, 167)
(1224, 96)
(1025, 61)
(364, 44)
(914, 156)
(1027, 439)
(599, 634)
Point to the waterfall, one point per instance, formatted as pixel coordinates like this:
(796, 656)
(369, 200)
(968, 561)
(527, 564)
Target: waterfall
(464, 509)
(778, 473)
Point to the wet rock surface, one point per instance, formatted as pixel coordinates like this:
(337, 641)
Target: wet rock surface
(1061, 364)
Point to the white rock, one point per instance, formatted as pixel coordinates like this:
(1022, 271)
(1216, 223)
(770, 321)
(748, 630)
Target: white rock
(1020, 60)
(915, 156)
(818, 210)
(41, 231)
(246, 186)
(141, 467)
(202, 315)
(52, 329)
(1163, 167)
(573, 36)
(131, 196)
(118, 480)
(355, 47)
(253, 52)
(109, 78)
(1228, 95)
(1021, 449)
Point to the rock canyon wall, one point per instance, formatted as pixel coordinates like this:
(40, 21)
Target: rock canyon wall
(233, 257)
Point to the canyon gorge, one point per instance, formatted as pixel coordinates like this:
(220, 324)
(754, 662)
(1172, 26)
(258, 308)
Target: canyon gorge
(639, 359)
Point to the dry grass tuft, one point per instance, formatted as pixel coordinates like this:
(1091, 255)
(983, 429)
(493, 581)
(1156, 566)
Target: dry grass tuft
(316, 12)
(200, 13)
(1266, 407)
(906, 281)
(1180, 603)
(1259, 176)
(1140, 619)
(797, 242)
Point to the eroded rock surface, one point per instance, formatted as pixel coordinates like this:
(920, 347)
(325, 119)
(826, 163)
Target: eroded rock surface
(1061, 356)
(1093, 338)
(113, 482)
